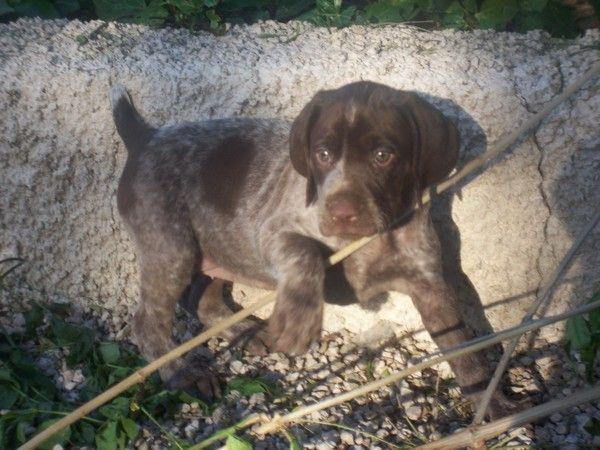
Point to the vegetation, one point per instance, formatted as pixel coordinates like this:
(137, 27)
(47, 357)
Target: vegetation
(30, 401)
(511, 15)
(583, 336)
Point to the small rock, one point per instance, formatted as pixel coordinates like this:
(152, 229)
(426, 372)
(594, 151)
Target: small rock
(236, 366)
(556, 417)
(323, 374)
(346, 437)
(382, 433)
(310, 363)
(414, 412)
(292, 377)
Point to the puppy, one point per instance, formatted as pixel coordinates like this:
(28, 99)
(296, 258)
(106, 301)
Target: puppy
(259, 202)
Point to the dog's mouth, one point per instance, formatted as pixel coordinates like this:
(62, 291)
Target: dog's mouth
(330, 227)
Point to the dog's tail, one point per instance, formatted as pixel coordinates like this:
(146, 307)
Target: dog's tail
(132, 128)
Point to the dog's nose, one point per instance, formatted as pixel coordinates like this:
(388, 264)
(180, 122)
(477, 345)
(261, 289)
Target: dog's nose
(342, 209)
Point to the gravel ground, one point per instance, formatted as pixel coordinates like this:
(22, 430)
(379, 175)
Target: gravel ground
(423, 407)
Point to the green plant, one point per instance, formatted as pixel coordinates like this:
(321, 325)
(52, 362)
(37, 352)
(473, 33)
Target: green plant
(30, 402)
(583, 335)
(511, 15)
(248, 386)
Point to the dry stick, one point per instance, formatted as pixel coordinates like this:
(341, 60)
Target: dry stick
(224, 433)
(141, 374)
(428, 361)
(542, 300)
(466, 437)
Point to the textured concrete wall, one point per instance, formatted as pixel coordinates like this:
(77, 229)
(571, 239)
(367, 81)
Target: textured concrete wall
(60, 157)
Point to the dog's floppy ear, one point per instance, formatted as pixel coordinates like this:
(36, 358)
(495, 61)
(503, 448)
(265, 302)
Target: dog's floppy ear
(300, 144)
(438, 141)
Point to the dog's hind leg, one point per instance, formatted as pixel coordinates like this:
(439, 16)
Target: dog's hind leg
(212, 310)
(166, 268)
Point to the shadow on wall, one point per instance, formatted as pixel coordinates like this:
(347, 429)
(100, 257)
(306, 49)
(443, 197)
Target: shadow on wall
(573, 193)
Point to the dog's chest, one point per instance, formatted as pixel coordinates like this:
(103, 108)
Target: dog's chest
(393, 260)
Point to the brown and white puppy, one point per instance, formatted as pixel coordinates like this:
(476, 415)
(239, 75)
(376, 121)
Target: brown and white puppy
(252, 200)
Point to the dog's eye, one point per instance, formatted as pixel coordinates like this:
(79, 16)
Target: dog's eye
(324, 156)
(382, 157)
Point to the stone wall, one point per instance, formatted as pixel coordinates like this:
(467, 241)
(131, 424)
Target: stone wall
(60, 156)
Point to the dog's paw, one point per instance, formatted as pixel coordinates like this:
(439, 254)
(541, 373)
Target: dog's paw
(294, 327)
(258, 344)
(499, 406)
(196, 381)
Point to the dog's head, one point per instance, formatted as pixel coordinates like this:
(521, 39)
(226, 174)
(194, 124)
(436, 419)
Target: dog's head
(368, 151)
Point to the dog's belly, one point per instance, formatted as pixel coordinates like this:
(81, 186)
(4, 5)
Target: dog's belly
(214, 270)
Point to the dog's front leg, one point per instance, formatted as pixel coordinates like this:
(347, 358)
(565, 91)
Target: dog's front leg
(440, 314)
(298, 315)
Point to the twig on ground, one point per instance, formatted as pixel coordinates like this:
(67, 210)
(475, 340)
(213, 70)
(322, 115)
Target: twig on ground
(428, 361)
(482, 432)
(222, 434)
(347, 428)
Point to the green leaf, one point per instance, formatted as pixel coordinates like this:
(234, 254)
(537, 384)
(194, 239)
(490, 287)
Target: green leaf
(186, 7)
(588, 356)
(249, 386)
(6, 375)
(578, 333)
(594, 316)
(131, 428)
(533, 5)
(29, 375)
(154, 14)
(593, 427)
(33, 319)
(530, 21)
(134, 11)
(294, 445)
(497, 13)
(67, 7)
(213, 18)
(116, 409)
(454, 17)
(58, 438)
(20, 431)
(8, 397)
(391, 11)
(237, 443)
(36, 8)
(5, 8)
(110, 352)
(88, 433)
(470, 5)
(184, 397)
(289, 9)
(345, 17)
(107, 438)
(78, 340)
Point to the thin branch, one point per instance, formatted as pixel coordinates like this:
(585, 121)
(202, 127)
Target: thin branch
(482, 432)
(428, 361)
(545, 296)
(225, 432)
